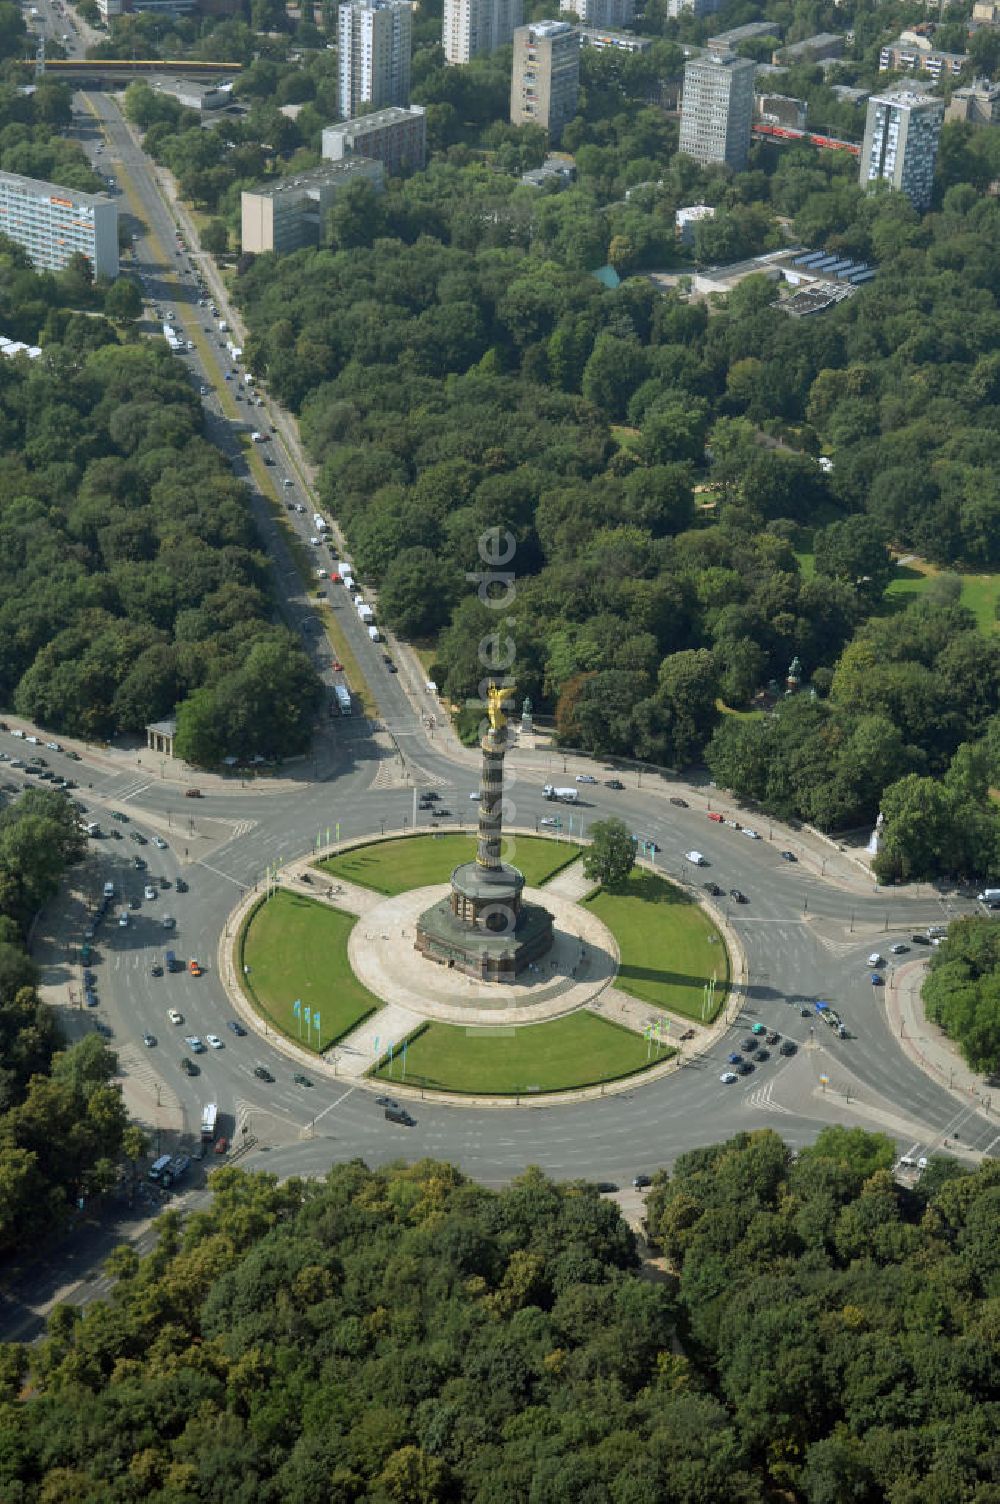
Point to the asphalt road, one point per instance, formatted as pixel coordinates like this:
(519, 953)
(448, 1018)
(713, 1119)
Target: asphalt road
(804, 937)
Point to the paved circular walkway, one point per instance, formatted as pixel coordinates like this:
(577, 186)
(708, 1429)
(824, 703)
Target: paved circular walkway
(581, 964)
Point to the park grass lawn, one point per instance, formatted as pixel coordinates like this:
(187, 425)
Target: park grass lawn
(807, 565)
(579, 1050)
(669, 947)
(981, 593)
(296, 948)
(417, 861)
(625, 437)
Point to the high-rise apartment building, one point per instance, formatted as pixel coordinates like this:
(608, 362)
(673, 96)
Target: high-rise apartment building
(545, 78)
(54, 224)
(717, 109)
(373, 40)
(602, 13)
(395, 137)
(902, 133)
(473, 26)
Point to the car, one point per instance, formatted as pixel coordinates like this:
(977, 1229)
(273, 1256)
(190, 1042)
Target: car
(750, 1043)
(75, 756)
(440, 813)
(745, 1067)
(751, 833)
(386, 1102)
(585, 778)
(640, 1182)
(899, 949)
(714, 889)
(164, 882)
(936, 931)
(149, 892)
(138, 837)
(787, 1047)
(613, 783)
(120, 816)
(735, 1058)
(115, 835)
(194, 968)
(214, 1041)
(762, 1054)
(287, 484)
(321, 574)
(805, 1012)
(301, 1080)
(89, 978)
(192, 793)
(789, 856)
(550, 821)
(262, 1073)
(391, 666)
(876, 980)
(758, 1029)
(221, 1145)
(168, 921)
(156, 970)
(17, 762)
(194, 1043)
(181, 885)
(237, 1028)
(188, 1066)
(689, 1034)
(738, 895)
(678, 801)
(728, 1078)
(159, 843)
(476, 797)
(338, 668)
(149, 1040)
(773, 1036)
(921, 939)
(133, 903)
(123, 920)
(714, 815)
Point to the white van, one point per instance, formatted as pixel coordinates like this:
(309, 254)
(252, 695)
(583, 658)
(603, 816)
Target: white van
(875, 959)
(697, 858)
(109, 890)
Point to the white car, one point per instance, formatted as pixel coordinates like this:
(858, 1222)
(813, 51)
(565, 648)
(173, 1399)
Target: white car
(696, 858)
(475, 797)
(287, 483)
(214, 1041)
(549, 820)
(174, 1016)
(728, 1078)
(314, 542)
(194, 1044)
(53, 746)
(751, 833)
(585, 778)
(160, 842)
(321, 574)
(149, 892)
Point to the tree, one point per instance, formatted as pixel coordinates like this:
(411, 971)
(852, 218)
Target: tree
(611, 854)
(855, 551)
(123, 301)
(215, 237)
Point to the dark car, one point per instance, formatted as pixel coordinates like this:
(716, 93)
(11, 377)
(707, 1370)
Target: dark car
(805, 1012)
(613, 783)
(181, 885)
(789, 856)
(734, 1059)
(156, 970)
(164, 882)
(441, 813)
(640, 1182)
(237, 1028)
(120, 816)
(745, 1067)
(115, 835)
(787, 1047)
(262, 1073)
(921, 939)
(188, 1066)
(680, 803)
(392, 667)
(714, 889)
(430, 794)
(749, 1043)
(301, 1080)
(773, 1036)
(762, 1055)
(386, 1102)
(138, 837)
(739, 896)
(606, 1187)
(399, 1115)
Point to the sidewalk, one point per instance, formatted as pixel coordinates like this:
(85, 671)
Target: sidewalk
(925, 1043)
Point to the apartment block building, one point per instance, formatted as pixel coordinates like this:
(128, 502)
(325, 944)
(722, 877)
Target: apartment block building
(396, 137)
(918, 56)
(605, 40)
(601, 13)
(53, 223)
(374, 40)
(289, 214)
(902, 133)
(977, 104)
(717, 109)
(470, 27)
(545, 77)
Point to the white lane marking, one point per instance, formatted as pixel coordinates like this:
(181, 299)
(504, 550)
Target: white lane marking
(342, 1098)
(234, 880)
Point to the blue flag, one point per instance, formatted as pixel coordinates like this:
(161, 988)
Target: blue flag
(307, 1018)
(316, 1022)
(297, 1008)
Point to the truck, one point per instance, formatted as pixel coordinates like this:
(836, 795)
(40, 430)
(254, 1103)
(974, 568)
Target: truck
(988, 895)
(366, 613)
(374, 634)
(565, 796)
(209, 1114)
(343, 696)
(320, 523)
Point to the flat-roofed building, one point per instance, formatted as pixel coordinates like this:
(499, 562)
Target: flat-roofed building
(53, 223)
(545, 76)
(902, 133)
(600, 12)
(289, 214)
(374, 40)
(717, 109)
(825, 44)
(976, 104)
(396, 137)
(728, 41)
(606, 40)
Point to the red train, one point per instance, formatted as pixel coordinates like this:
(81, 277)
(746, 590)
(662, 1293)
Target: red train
(788, 133)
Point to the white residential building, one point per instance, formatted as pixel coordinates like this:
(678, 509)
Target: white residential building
(717, 109)
(53, 223)
(470, 27)
(902, 132)
(374, 42)
(601, 13)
